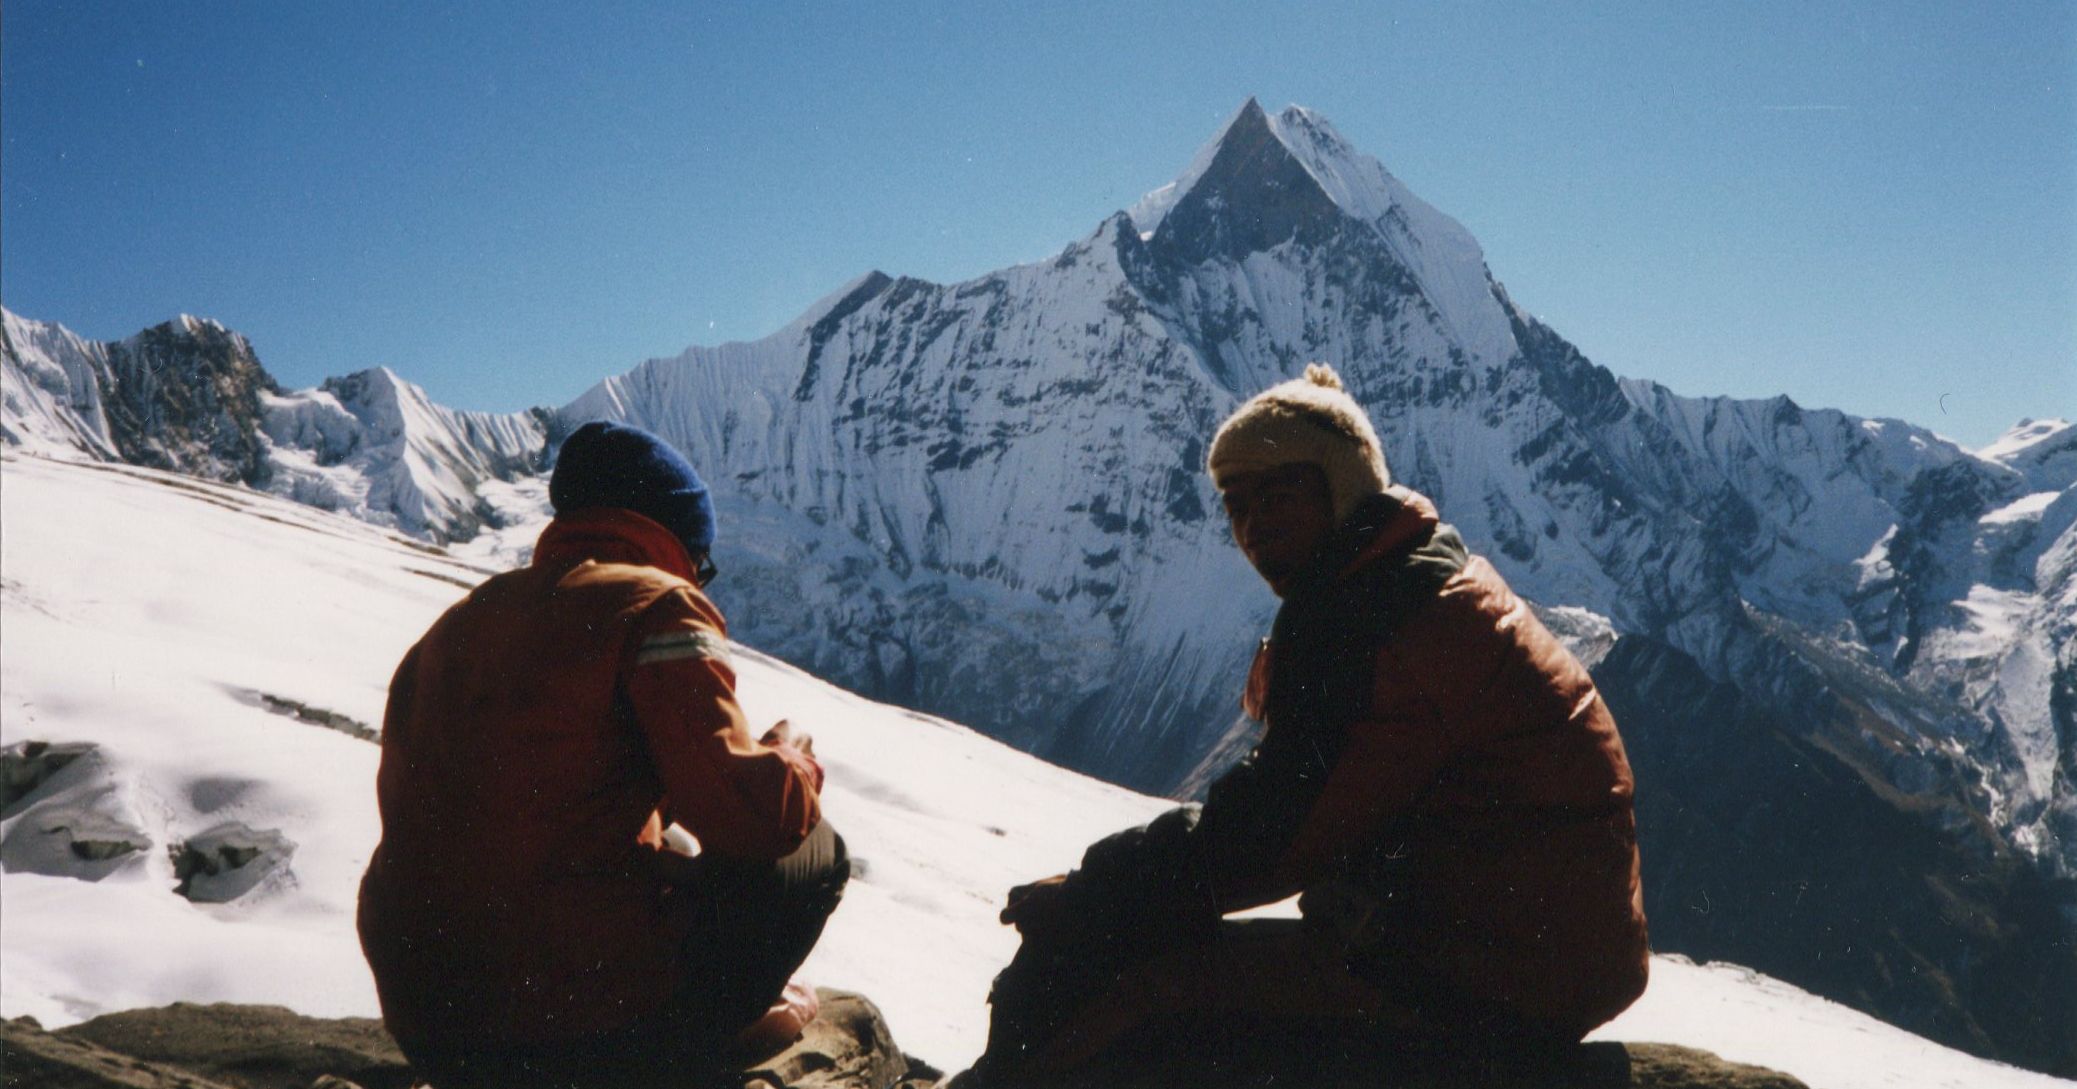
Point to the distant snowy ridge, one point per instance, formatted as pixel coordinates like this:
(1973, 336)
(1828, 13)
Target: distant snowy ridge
(191, 396)
(373, 445)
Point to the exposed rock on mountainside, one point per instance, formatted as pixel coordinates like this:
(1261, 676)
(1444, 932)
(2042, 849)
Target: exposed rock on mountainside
(190, 395)
(68, 813)
(1927, 916)
(184, 395)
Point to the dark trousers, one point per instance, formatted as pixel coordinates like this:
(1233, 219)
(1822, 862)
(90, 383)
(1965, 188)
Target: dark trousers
(1261, 984)
(751, 926)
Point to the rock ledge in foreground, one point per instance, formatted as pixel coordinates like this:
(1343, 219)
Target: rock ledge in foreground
(186, 1046)
(1254, 1054)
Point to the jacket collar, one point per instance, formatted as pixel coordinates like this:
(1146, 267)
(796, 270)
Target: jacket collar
(1404, 517)
(1380, 526)
(611, 535)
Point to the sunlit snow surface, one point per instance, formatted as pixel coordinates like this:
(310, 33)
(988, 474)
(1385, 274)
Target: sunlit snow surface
(148, 614)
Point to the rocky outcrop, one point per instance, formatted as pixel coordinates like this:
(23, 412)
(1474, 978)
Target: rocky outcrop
(65, 811)
(65, 814)
(848, 1047)
(240, 1047)
(186, 1046)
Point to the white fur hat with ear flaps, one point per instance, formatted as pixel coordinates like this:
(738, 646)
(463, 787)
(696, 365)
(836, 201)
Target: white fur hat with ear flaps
(1307, 420)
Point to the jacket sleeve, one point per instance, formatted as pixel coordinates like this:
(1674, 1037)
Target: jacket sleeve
(1287, 813)
(1225, 855)
(1388, 760)
(740, 797)
(1435, 694)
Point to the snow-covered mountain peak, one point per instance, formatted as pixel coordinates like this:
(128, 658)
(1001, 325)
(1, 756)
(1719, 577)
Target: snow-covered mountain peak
(1151, 209)
(1357, 183)
(2023, 435)
(1249, 195)
(839, 302)
(1353, 182)
(188, 330)
(193, 325)
(375, 385)
(2044, 452)
(1266, 181)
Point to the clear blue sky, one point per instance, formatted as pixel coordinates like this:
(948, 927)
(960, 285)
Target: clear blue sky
(1870, 206)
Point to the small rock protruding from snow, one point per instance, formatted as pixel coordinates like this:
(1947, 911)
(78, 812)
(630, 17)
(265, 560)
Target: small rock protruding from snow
(70, 818)
(27, 765)
(229, 861)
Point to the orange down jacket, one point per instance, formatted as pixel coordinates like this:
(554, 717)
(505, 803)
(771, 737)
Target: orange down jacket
(537, 739)
(1439, 771)
(1483, 790)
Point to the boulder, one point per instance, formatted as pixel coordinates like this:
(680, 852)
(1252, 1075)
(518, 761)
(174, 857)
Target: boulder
(31, 1057)
(847, 1044)
(249, 1047)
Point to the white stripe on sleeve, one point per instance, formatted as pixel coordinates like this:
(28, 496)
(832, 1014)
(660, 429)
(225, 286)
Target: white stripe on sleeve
(673, 645)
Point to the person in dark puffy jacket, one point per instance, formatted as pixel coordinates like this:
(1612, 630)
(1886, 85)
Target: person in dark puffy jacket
(1437, 778)
(524, 918)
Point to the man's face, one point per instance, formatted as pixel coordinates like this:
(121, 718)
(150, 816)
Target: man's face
(1279, 516)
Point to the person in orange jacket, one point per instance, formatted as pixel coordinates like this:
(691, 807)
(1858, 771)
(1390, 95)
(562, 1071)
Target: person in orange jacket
(524, 915)
(1437, 778)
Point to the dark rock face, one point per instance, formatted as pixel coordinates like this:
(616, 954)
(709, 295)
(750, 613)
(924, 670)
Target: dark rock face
(185, 396)
(224, 1046)
(1764, 846)
(26, 765)
(223, 863)
(1253, 196)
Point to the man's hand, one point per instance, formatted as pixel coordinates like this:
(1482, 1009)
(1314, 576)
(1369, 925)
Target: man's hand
(781, 736)
(1038, 908)
(673, 867)
(782, 733)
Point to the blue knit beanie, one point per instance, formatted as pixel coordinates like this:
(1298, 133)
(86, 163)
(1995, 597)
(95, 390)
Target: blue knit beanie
(614, 465)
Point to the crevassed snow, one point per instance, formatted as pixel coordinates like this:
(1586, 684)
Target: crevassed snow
(51, 398)
(145, 613)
